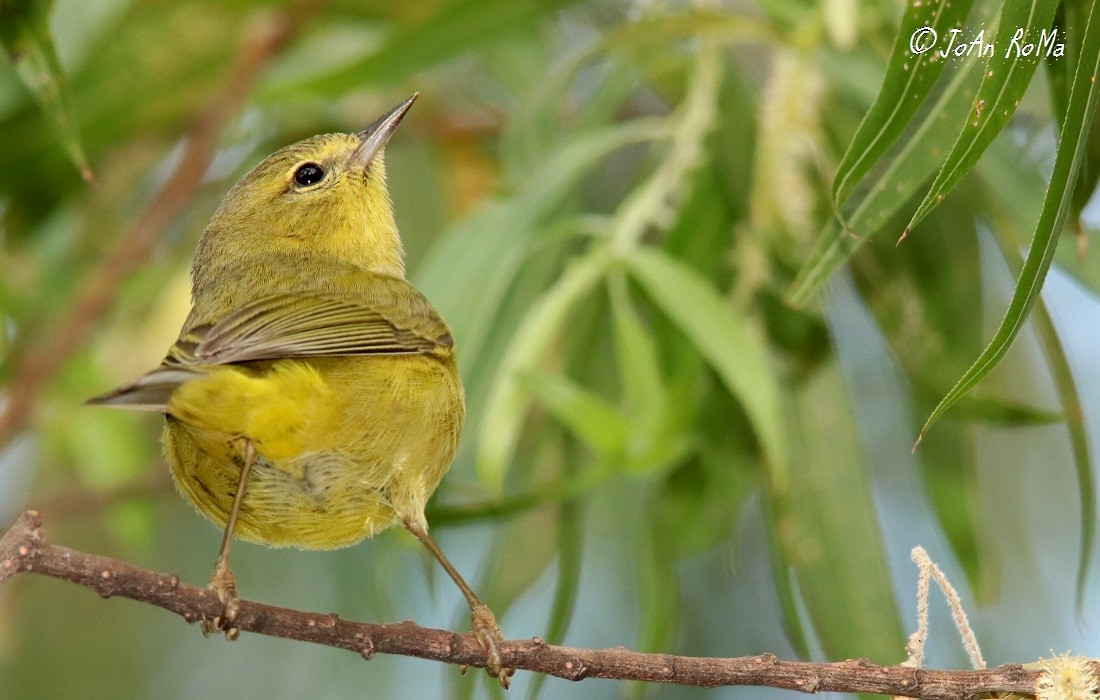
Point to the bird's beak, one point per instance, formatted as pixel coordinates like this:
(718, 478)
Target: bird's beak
(373, 139)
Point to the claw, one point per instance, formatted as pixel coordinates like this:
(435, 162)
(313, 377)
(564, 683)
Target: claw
(487, 632)
(225, 585)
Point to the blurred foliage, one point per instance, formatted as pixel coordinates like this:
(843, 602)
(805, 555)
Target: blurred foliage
(626, 211)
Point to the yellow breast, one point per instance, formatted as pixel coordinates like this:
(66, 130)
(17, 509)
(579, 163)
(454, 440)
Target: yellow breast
(346, 446)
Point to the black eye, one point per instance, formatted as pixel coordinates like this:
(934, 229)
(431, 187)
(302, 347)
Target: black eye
(308, 174)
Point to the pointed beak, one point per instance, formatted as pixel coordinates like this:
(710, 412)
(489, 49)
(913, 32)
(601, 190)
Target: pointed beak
(373, 139)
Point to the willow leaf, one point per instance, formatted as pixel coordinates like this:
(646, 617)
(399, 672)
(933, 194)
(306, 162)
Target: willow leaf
(725, 340)
(472, 266)
(1071, 148)
(897, 178)
(909, 78)
(1072, 412)
(639, 365)
(1005, 78)
(25, 36)
(570, 552)
(507, 403)
(451, 30)
(590, 418)
(1078, 440)
(828, 528)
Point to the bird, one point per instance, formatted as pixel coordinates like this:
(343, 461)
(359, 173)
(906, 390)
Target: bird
(312, 398)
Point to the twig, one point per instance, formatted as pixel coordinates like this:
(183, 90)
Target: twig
(33, 369)
(25, 549)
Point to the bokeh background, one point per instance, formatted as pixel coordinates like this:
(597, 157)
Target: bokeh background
(609, 202)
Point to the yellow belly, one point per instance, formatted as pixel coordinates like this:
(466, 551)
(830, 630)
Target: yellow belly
(365, 452)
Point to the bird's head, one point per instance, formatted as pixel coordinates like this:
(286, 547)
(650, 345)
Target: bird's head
(324, 195)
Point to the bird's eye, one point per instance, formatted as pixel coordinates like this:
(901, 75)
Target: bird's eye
(308, 174)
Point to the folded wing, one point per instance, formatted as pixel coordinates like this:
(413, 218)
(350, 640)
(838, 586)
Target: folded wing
(285, 326)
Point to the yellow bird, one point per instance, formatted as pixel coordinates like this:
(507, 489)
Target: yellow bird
(312, 398)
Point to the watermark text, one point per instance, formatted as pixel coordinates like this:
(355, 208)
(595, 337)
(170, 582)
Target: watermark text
(1045, 43)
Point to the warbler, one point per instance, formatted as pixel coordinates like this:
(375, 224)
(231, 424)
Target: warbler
(312, 398)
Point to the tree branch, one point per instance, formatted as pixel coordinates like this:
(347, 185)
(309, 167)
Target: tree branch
(25, 549)
(34, 368)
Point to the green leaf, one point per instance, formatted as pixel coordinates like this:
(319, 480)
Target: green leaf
(507, 403)
(898, 176)
(1006, 76)
(908, 81)
(470, 269)
(1070, 22)
(1072, 411)
(1071, 148)
(570, 554)
(1009, 414)
(832, 248)
(478, 272)
(783, 576)
(455, 28)
(587, 415)
(726, 340)
(1069, 19)
(639, 368)
(928, 307)
(900, 171)
(663, 415)
(1079, 442)
(658, 585)
(25, 36)
(1016, 196)
(1016, 199)
(828, 530)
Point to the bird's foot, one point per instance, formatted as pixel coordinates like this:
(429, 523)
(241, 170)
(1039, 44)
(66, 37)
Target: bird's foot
(225, 585)
(487, 632)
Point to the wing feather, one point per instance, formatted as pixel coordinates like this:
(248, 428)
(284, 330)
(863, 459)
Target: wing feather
(287, 326)
(292, 324)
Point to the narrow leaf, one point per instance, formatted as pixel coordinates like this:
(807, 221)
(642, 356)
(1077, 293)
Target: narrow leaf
(828, 529)
(1078, 440)
(1006, 76)
(831, 250)
(897, 178)
(909, 78)
(725, 340)
(507, 404)
(588, 416)
(639, 368)
(1071, 147)
(472, 266)
(452, 29)
(659, 600)
(25, 36)
(1072, 411)
(570, 552)
(927, 305)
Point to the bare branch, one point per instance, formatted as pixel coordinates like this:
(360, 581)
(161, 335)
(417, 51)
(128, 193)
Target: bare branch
(25, 549)
(33, 369)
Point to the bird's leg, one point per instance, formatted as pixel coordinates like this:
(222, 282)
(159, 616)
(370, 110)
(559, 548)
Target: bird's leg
(222, 580)
(484, 623)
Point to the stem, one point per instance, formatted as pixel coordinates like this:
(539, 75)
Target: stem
(25, 549)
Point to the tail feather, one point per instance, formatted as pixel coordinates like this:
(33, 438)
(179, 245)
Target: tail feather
(150, 392)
